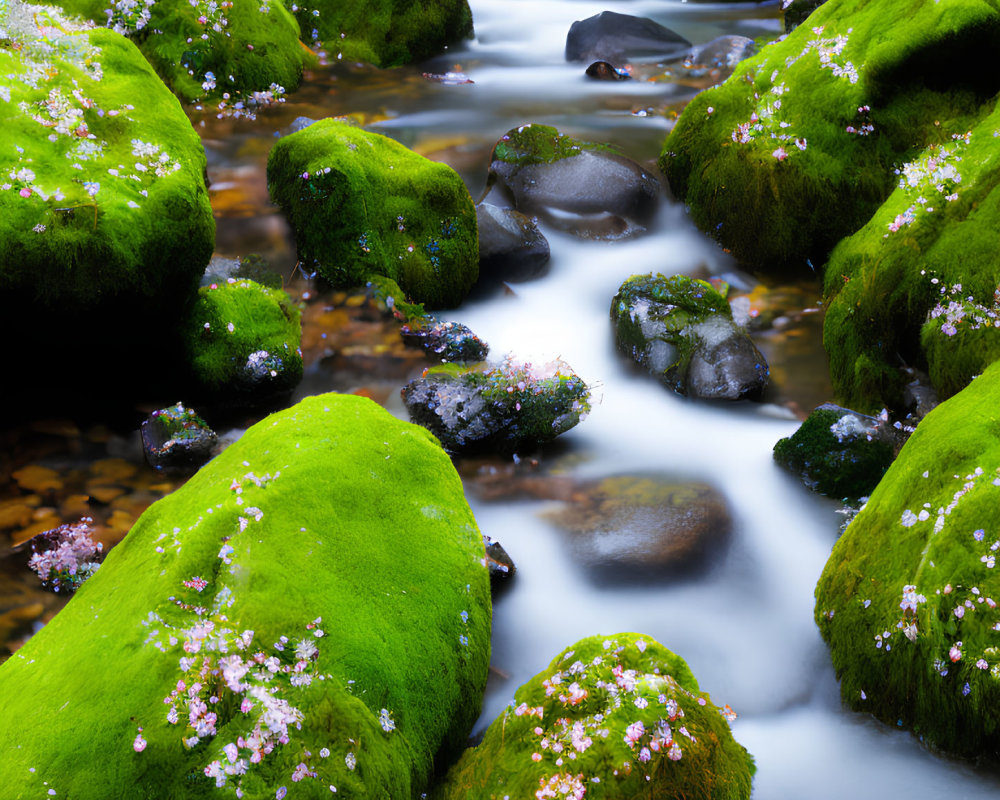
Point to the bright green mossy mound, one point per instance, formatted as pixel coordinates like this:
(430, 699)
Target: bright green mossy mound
(386, 33)
(539, 144)
(797, 149)
(837, 452)
(242, 336)
(616, 717)
(332, 524)
(249, 46)
(930, 249)
(362, 204)
(105, 223)
(907, 601)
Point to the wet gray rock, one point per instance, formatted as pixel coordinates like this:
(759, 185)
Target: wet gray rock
(682, 331)
(614, 37)
(500, 565)
(576, 186)
(723, 53)
(449, 341)
(603, 71)
(644, 527)
(176, 439)
(511, 248)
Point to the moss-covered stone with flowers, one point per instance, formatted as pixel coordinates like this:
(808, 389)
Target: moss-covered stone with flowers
(611, 717)
(209, 47)
(797, 148)
(916, 284)
(908, 599)
(241, 336)
(311, 610)
(362, 204)
(386, 33)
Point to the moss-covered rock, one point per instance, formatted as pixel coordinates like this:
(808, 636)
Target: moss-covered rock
(916, 284)
(362, 204)
(583, 187)
(320, 581)
(797, 149)
(908, 599)
(176, 439)
(682, 331)
(839, 452)
(243, 338)
(507, 407)
(386, 33)
(611, 717)
(105, 222)
(207, 47)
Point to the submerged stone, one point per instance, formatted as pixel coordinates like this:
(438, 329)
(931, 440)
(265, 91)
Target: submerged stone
(582, 187)
(644, 527)
(362, 204)
(908, 599)
(176, 438)
(839, 452)
(614, 37)
(631, 715)
(509, 408)
(682, 331)
(242, 341)
(273, 635)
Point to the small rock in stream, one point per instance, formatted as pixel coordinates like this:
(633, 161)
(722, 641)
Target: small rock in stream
(614, 37)
(176, 439)
(511, 247)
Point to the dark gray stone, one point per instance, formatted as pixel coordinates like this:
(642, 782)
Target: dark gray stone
(511, 248)
(614, 37)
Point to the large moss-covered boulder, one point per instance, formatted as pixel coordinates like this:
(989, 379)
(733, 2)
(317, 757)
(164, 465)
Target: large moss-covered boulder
(311, 610)
(206, 47)
(386, 33)
(362, 204)
(105, 223)
(798, 147)
(611, 717)
(916, 284)
(908, 600)
(682, 331)
(242, 338)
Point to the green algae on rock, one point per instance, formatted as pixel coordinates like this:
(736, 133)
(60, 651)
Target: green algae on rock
(797, 148)
(682, 331)
(318, 590)
(241, 337)
(838, 452)
(612, 717)
(362, 204)
(908, 599)
(386, 33)
(203, 47)
(916, 284)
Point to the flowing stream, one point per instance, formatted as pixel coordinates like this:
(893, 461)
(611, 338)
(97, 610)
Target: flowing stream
(745, 625)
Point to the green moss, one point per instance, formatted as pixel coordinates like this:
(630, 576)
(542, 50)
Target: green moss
(256, 44)
(362, 204)
(237, 334)
(845, 464)
(932, 243)
(591, 702)
(921, 553)
(354, 525)
(539, 144)
(386, 33)
(797, 148)
(387, 293)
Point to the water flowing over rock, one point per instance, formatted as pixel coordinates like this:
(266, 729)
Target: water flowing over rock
(582, 187)
(362, 204)
(839, 452)
(632, 715)
(644, 527)
(610, 36)
(511, 248)
(509, 408)
(682, 331)
(908, 599)
(284, 618)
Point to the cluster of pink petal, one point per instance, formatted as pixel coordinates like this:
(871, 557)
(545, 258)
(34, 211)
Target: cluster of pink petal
(72, 560)
(561, 785)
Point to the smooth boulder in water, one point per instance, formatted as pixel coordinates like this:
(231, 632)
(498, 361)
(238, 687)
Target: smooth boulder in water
(618, 716)
(176, 438)
(310, 610)
(681, 330)
(614, 37)
(511, 247)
